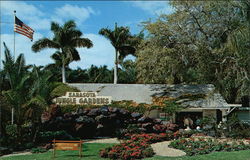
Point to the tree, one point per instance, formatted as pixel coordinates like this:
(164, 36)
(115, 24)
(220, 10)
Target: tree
(200, 42)
(66, 39)
(123, 42)
(17, 76)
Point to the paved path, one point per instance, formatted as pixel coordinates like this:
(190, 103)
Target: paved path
(162, 149)
(16, 154)
(106, 140)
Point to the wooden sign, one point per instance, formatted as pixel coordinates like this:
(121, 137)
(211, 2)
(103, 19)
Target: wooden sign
(67, 145)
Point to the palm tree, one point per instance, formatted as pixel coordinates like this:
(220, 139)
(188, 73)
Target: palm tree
(66, 39)
(18, 78)
(122, 41)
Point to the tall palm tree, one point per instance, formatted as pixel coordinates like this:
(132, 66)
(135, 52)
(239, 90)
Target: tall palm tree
(66, 39)
(122, 41)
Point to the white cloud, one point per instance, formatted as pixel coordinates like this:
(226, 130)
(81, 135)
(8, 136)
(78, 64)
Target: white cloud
(38, 20)
(75, 12)
(23, 45)
(102, 53)
(26, 11)
(154, 7)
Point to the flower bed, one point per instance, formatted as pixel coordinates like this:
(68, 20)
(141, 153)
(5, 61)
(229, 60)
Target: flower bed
(204, 146)
(138, 145)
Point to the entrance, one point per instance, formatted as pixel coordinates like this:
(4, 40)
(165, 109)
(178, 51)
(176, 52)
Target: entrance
(193, 115)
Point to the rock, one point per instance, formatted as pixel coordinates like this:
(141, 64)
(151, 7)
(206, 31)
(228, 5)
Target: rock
(157, 121)
(104, 110)
(101, 119)
(85, 119)
(136, 115)
(113, 110)
(80, 111)
(144, 119)
(94, 112)
(67, 115)
(99, 126)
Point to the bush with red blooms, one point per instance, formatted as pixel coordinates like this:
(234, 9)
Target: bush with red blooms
(128, 150)
(138, 146)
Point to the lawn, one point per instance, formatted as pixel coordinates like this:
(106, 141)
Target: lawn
(238, 155)
(90, 152)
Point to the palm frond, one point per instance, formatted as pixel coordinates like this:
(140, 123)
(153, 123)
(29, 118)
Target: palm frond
(55, 27)
(82, 42)
(44, 43)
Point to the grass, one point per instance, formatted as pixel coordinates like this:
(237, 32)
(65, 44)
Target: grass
(238, 155)
(91, 152)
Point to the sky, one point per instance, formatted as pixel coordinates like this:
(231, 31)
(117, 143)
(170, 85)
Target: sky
(90, 17)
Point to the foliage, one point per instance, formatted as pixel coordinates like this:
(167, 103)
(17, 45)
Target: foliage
(11, 130)
(66, 39)
(123, 42)
(38, 150)
(48, 136)
(200, 42)
(61, 89)
(235, 128)
(138, 145)
(204, 146)
(131, 149)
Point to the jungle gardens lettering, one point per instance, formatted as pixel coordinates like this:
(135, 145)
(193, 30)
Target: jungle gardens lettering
(82, 98)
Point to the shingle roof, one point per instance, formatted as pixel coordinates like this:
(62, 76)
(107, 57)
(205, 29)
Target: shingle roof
(143, 93)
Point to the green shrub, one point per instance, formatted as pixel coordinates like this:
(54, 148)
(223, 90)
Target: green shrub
(205, 146)
(11, 130)
(38, 150)
(50, 135)
(61, 90)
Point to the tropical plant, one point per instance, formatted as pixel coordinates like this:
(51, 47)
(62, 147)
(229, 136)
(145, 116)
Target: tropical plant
(123, 42)
(66, 39)
(17, 76)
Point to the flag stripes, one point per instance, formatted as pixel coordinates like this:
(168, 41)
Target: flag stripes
(21, 28)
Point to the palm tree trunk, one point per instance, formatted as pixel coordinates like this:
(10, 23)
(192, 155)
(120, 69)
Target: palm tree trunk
(116, 67)
(63, 74)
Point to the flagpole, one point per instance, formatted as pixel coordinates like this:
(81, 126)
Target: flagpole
(14, 36)
(12, 109)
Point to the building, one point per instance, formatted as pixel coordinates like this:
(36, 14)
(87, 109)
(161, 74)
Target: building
(197, 100)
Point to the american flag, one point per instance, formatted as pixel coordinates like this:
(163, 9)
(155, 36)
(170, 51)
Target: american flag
(20, 27)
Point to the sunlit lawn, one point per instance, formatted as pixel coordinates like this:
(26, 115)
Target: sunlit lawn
(238, 155)
(91, 152)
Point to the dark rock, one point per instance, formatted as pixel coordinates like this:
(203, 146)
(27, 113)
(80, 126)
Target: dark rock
(104, 110)
(100, 118)
(157, 121)
(67, 115)
(80, 111)
(148, 127)
(144, 119)
(94, 112)
(85, 119)
(113, 110)
(99, 126)
(135, 115)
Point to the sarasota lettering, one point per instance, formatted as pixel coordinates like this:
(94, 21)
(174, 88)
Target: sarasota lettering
(82, 98)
